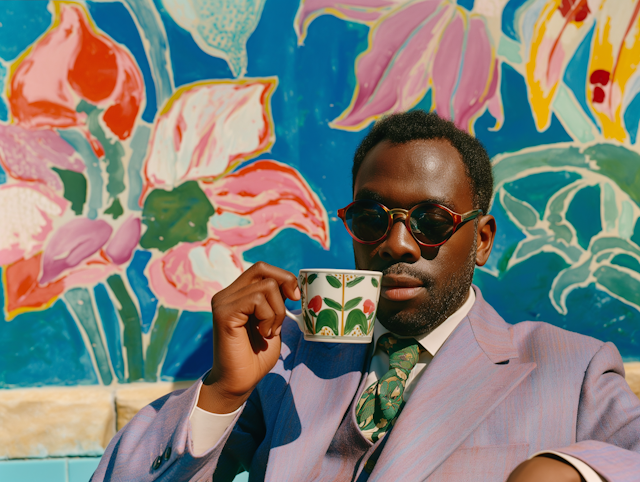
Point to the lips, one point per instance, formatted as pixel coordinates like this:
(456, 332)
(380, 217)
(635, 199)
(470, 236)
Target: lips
(400, 287)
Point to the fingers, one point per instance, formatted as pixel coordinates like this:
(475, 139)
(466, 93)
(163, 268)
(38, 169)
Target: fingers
(260, 303)
(259, 271)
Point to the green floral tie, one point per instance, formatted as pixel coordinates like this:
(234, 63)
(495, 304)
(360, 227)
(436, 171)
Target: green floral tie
(381, 403)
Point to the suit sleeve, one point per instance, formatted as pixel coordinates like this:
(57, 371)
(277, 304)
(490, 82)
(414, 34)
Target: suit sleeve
(608, 423)
(157, 444)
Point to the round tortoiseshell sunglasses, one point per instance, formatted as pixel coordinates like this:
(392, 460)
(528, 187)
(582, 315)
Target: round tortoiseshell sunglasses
(369, 222)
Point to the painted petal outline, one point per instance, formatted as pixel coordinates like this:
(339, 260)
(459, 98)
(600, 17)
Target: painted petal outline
(26, 219)
(27, 154)
(187, 276)
(615, 51)
(393, 73)
(478, 66)
(558, 31)
(362, 11)
(271, 196)
(66, 56)
(71, 244)
(191, 139)
(120, 247)
(22, 292)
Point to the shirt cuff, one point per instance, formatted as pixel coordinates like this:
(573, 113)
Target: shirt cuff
(587, 472)
(207, 427)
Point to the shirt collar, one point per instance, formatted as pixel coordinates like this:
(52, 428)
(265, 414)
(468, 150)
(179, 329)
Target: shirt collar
(434, 340)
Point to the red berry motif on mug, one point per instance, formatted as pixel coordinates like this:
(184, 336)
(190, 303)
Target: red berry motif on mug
(315, 304)
(368, 307)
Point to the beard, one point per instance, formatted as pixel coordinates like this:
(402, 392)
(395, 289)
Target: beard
(443, 300)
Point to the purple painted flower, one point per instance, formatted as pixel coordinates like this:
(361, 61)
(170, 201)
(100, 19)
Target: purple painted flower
(413, 47)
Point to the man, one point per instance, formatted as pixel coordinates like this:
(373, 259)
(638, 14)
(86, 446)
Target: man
(493, 397)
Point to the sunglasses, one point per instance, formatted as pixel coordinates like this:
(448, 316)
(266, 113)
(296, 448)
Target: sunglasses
(369, 222)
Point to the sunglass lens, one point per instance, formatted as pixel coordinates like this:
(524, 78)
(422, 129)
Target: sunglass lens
(367, 221)
(431, 224)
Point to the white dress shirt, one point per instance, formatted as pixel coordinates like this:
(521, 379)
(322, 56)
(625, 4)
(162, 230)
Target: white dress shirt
(207, 427)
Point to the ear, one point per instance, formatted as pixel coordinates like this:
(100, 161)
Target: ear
(486, 234)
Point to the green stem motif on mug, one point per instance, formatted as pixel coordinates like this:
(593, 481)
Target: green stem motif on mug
(333, 281)
(307, 321)
(329, 319)
(354, 282)
(356, 318)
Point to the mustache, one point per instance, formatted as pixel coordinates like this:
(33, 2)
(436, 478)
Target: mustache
(408, 270)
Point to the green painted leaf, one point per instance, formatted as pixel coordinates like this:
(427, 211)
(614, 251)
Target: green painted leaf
(354, 282)
(374, 282)
(333, 304)
(333, 281)
(328, 318)
(352, 303)
(115, 209)
(520, 211)
(75, 188)
(371, 315)
(356, 318)
(176, 216)
(311, 278)
(307, 321)
(163, 327)
(621, 283)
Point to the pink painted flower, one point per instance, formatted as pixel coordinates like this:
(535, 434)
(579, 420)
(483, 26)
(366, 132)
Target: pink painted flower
(26, 219)
(41, 263)
(29, 155)
(368, 307)
(413, 47)
(78, 63)
(202, 134)
(315, 304)
(188, 275)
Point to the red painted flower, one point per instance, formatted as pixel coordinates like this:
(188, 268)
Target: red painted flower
(315, 304)
(79, 63)
(368, 307)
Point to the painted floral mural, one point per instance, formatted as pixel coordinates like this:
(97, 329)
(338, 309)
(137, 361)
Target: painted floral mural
(150, 151)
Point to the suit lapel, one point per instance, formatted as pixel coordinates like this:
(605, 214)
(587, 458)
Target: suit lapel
(469, 377)
(323, 382)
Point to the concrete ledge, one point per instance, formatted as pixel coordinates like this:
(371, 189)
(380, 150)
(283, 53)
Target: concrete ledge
(632, 375)
(80, 421)
(44, 422)
(70, 421)
(131, 398)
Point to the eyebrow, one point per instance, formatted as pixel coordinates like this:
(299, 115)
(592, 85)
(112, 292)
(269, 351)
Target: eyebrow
(375, 196)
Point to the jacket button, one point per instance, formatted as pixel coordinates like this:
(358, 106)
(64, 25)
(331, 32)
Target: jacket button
(167, 453)
(157, 463)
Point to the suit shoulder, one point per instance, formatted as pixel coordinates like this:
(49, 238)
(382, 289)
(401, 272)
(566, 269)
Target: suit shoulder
(539, 340)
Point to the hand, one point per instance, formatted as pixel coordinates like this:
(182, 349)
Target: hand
(545, 468)
(247, 319)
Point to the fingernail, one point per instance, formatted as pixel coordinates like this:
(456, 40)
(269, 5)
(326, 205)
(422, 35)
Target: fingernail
(296, 293)
(278, 330)
(269, 334)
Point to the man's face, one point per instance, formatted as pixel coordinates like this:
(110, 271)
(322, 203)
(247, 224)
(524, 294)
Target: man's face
(421, 285)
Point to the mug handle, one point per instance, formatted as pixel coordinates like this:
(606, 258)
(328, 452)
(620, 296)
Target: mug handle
(297, 318)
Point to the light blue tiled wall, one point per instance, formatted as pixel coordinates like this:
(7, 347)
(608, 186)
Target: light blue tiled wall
(58, 470)
(50, 470)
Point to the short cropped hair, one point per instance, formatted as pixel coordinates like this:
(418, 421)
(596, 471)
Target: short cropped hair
(419, 125)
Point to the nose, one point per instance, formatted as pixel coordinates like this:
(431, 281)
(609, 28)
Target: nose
(399, 245)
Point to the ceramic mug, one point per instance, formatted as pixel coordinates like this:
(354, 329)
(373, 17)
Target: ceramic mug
(338, 305)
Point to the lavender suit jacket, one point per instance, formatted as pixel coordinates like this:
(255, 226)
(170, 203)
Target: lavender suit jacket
(494, 395)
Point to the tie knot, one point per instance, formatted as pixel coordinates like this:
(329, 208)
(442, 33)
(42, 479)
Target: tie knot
(403, 352)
